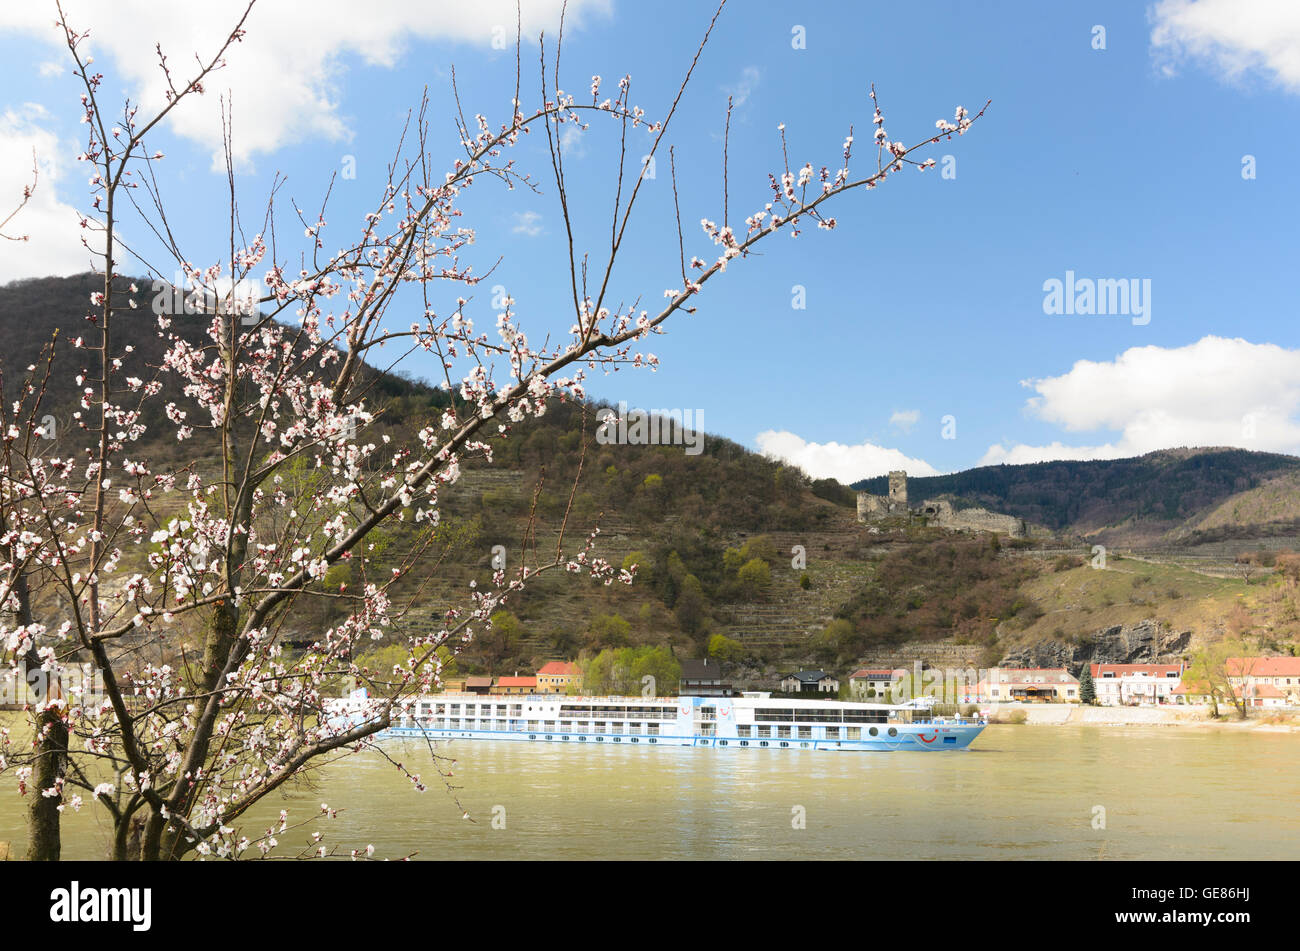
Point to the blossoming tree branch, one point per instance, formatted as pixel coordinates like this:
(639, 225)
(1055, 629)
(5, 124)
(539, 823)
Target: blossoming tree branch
(109, 559)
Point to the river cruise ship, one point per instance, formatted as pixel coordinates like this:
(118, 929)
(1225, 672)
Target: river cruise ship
(751, 721)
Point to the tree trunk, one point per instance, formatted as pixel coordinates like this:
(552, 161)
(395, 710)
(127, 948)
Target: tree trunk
(44, 837)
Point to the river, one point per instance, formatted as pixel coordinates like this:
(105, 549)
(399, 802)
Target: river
(1022, 792)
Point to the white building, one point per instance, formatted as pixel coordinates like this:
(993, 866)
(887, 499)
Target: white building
(1127, 685)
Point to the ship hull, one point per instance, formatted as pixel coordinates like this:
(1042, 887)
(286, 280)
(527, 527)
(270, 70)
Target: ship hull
(925, 738)
(754, 721)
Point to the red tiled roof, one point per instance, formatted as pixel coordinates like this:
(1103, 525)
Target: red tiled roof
(1158, 669)
(1263, 666)
(516, 681)
(874, 674)
(560, 668)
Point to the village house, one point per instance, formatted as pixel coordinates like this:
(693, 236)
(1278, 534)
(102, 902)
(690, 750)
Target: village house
(810, 681)
(1280, 673)
(1263, 681)
(480, 685)
(514, 685)
(702, 678)
(1126, 685)
(558, 676)
(1031, 684)
(870, 683)
(1262, 695)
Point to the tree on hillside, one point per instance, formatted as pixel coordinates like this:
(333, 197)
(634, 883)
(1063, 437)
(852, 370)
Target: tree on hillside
(1248, 565)
(754, 577)
(119, 559)
(692, 607)
(608, 630)
(726, 649)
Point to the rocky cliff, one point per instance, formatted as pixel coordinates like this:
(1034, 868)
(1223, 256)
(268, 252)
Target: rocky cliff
(1145, 642)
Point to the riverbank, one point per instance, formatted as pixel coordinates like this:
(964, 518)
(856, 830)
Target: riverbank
(1057, 714)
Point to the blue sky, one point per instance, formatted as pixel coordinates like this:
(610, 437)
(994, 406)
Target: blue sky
(1168, 157)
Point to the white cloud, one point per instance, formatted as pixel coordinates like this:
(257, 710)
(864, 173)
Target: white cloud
(528, 223)
(284, 75)
(53, 237)
(1021, 454)
(571, 141)
(905, 419)
(744, 87)
(837, 461)
(1230, 36)
(1214, 392)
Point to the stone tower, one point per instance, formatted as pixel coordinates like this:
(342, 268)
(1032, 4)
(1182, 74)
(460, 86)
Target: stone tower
(898, 491)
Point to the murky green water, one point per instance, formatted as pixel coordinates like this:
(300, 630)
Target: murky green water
(1022, 793)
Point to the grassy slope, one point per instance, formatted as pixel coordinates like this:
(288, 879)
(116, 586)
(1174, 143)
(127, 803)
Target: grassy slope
(1079, 601)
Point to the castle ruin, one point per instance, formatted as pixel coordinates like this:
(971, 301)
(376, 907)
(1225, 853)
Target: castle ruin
(872, 507)
(938, 512)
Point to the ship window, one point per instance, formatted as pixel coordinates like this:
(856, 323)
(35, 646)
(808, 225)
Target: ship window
(874, 732)
(743, 730)
(893, 731)
(950, 739)
(764, 731)
(783, 731)
(652, 729)
(832, 733)
(805, 733)
(853, 733)
(744, 742)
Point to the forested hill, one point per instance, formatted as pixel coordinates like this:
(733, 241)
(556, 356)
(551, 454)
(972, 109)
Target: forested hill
(34, 310)
(739, 556)
(1158, 491)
